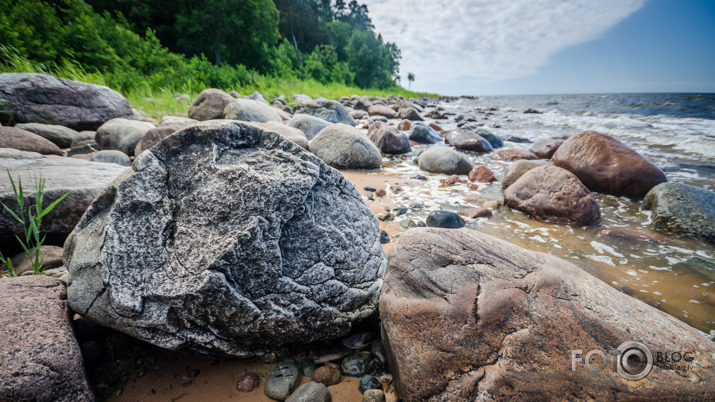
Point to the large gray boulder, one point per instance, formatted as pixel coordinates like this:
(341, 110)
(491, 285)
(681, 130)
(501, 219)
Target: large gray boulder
(469, 317)
(41, 360)
(209, 104)
(226, 240)
(251, 110)
(444, 160)
(345, 147)
(328, 110)
(84, 180)
(122, 134)
(682, 209)
(58, 135)
(309, 125)
(41, 98)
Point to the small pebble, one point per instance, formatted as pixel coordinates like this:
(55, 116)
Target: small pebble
(369, 382)
(419, 177)
(327, 375)
(444, 219)
(384, 237)
(307, 367)
(416, 206)
(248, 382)
(359, 364)
(369, 188)
(408, 223)
(373, 395)
(386, 217)
(357, 341)
(369, 196)
(381, 192)
(400, 211)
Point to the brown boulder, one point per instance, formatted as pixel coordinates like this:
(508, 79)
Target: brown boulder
(546, 148)
(382, 110)
(436, 127)
(154, 136)
(606, 165)
(513, 154)
(388, 139)
(409, 113)
(466, 316)
(41, 360)
(551, 194)
(467, 140)
(481, 173)
(11, 137)
(209, 104)
(517, 169)
(358, 114)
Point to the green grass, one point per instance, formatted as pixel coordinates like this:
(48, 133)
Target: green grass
(162, 101)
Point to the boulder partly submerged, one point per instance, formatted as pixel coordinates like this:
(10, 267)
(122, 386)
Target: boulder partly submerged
(682, 209)
(41, 360)
(226, 240)
(466, 316)
(41, 98)
(84, 180)
(606, 165)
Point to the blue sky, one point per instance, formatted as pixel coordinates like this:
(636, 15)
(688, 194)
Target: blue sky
(477, 47)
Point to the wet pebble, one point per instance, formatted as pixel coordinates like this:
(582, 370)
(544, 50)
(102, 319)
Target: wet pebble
(307, 367)
(332, 354)
(419, 177)
(416, 206)
(444, 219)
(386, 216)
(378, 351)
(384, 237)
(369, 382)
(282, 380)
(369, 188)
(248, 382)
(381, 192)
(400, 211)
(359, 364)
(369, 196)
(327, 375)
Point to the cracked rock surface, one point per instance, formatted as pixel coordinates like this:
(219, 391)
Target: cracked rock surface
(466, 316)
(226, 240)
(41, 360)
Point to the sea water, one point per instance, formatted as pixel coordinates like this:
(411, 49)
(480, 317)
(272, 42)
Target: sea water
(674, 131)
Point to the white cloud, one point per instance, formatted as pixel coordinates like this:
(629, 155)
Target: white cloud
(443, 41)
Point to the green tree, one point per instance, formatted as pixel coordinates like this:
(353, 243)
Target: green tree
(411, 79)
(370, 60)
(234, 31)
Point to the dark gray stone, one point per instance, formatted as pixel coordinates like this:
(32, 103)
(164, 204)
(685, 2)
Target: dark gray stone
(369, 382)
(494, 140)
(40, 98)
(682, 209)
(226, 240)
(359, 364)
(307, 367)
(444, 219)
(423, 134)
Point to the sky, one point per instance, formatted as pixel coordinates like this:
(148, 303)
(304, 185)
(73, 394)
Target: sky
(502, 47)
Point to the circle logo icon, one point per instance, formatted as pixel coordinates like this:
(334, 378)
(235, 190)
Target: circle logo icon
(635, 360)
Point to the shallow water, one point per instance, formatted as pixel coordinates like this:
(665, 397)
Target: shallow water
(624, 250)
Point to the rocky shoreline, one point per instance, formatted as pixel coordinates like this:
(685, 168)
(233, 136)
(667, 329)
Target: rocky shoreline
(260, 231)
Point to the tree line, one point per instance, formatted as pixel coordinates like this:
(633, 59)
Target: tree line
(216, 41)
